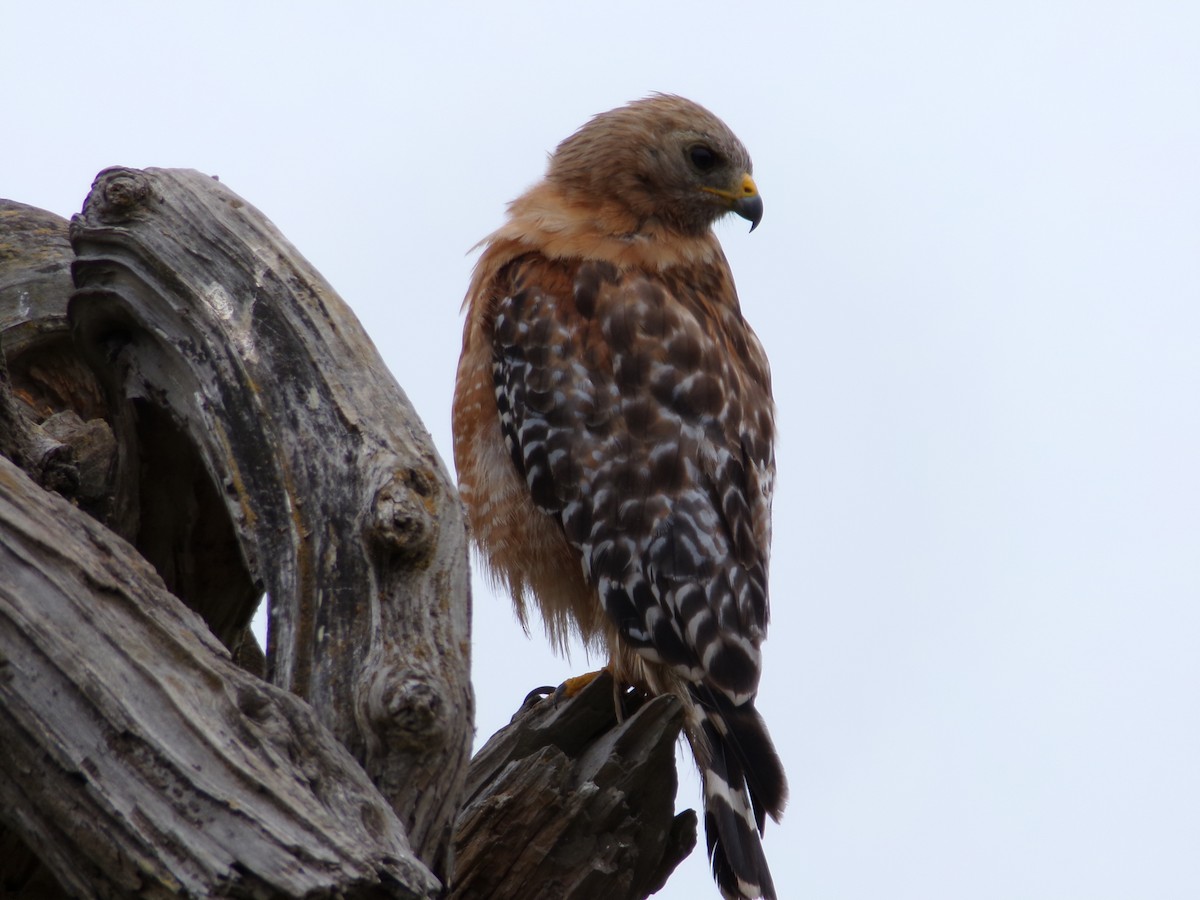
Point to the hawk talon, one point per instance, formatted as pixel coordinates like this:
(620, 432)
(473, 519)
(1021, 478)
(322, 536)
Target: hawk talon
(537, 695)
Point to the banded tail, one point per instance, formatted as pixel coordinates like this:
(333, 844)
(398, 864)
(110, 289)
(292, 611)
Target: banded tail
(744, 783)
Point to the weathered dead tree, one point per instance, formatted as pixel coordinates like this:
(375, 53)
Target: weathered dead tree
(228, 357)
(245, 454)
(207, 424)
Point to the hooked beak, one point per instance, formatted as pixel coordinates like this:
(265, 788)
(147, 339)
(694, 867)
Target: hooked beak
(745, 201)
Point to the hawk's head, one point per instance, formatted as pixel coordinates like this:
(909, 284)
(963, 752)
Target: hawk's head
(663, 160)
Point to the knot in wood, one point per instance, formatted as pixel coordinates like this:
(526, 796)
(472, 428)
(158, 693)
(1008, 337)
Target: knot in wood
(253, 702)
(404, 520)
(120, 192)
(406, 708)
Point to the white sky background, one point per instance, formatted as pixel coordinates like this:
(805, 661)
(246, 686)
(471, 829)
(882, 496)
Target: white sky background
(978, 278)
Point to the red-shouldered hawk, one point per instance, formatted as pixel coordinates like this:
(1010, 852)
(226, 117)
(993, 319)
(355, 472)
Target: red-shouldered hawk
(614, 430)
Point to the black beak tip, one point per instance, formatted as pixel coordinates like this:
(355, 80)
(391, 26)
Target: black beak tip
(751, 209)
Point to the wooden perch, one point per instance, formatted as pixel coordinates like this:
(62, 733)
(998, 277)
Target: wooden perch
(569, 802)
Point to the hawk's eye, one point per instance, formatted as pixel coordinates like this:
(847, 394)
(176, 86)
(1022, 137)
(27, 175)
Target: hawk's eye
(703, 158)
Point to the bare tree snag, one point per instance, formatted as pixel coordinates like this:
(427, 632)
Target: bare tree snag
(568, 803)
(139, 760)
(244, 391)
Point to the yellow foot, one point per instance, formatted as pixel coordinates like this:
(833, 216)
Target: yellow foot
(573, 686)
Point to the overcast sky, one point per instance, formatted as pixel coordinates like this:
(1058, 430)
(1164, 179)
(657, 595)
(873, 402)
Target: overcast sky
(978, 279)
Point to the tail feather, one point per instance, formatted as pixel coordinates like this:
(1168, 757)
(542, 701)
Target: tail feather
(761, 766)
(744, 782)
